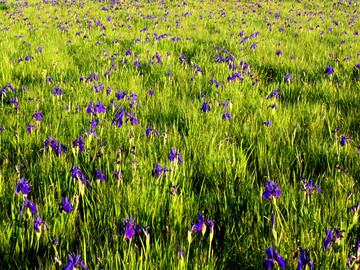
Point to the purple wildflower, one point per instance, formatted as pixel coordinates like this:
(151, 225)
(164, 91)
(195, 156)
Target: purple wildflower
(272, 190)
(74, 262)
(65, 205)
(274, 259)
(29, 205)
(23, 186)
(38, 222)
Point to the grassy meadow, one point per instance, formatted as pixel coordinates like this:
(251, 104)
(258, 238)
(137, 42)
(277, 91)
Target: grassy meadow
(198, 120)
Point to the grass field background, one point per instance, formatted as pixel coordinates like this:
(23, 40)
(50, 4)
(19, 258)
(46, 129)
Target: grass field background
(170, 57)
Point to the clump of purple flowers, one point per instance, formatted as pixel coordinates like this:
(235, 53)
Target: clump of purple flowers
(38, 222)
(128, 228)
(23, 186)
(345, 140)
(79, 143)
(158, 171)
(173, 155)
(332, 237)
(200, 226)
(329, 70)
(273, 259)
(304, 259)
(77, 174)
(65, 205)
(74, 262)
(272, 191)
(29, 205)
(309, 187)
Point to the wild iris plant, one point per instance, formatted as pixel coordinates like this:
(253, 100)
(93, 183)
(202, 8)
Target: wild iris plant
(272, 191)
(309, 187)
(77, 174)
(38, 222)
(23, 186)
(304, 259)
(75, 262)
(29, 205)
(128, 228)
(273, 259)
(175, 156)
(332, 237)
(158, 171)
(65, 205)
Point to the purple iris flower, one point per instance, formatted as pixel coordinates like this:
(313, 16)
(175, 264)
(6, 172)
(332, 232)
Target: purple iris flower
(149, 130)
(182, 58)
(57, 91)
(158, 171)
(120, 95)
(14, 100)
(74, 262)
(137, 63)
(226, 116)
(2, 128)
(28, 57)
(274, 259)
(29, 205)
(30, 127)
(150, 92)
(173, 155)
(200, 226)
(119, 118)
(254, 46)
(98, 108)
(273, 106)
(304, 259)
(268, 123)
(100, 175)
(56, 145)
(79, 143)
(93, 122)
(128, 228)
(329, 70)
(131, 118)
(345, 140)
(272, 190)
(332, 237)
(38, 116)
(23, 186)
(274, 93)
(65, 205)
(279, 52)
(205, 107)
(309, 187)
(77, 174)
(288, 77)
(38, 222)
